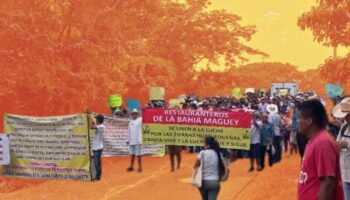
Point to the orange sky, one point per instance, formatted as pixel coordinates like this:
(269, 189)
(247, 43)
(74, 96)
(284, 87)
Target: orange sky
(278, 33)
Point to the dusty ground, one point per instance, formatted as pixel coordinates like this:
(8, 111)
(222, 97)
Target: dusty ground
(157, 182)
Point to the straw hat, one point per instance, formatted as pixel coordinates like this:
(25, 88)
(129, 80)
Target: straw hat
(272, 109)
(342, 109)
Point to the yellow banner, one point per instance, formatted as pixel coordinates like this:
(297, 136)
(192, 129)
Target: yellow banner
(192, 135)
(48, 147)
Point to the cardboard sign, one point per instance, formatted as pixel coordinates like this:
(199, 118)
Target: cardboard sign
(156, 93)
(236, 92)
(133, 104)
(334, 90)
(249, 90)
(174, 103)
(182, 98)
(115, 100)
(283, 92)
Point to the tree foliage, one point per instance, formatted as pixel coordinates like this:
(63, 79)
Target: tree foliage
(329, 22)
(61, 56)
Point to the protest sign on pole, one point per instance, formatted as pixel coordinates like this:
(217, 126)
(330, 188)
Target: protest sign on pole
(115, 138)
(133, 104)
(115, 100)
(189, 127)
(156, 93)
(182, 98)
(174, 103)
(334, 90)
(4, 149)
(283, 92)
(249, 90)
(48, 147)
(236, 92)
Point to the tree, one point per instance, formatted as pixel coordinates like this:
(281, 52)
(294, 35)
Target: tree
(59, 57)
(330, 23)
(337, 71)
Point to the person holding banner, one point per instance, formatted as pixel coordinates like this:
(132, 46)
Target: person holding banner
(97, 146)
(135, 139)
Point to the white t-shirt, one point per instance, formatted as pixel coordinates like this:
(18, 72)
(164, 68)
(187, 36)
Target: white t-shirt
(210, 166)
(98, 142)
(345, 156)
(255, 133)
(135, 131)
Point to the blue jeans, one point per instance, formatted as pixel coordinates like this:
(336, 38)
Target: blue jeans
(346, 187)
(97, 163)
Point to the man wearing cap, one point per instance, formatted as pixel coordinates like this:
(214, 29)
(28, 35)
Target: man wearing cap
(135, 139)
(342, 110)
(97, 146)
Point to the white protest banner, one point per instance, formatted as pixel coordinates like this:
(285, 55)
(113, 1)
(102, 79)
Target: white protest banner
(4, 149)
(48, 147)
(115, 137)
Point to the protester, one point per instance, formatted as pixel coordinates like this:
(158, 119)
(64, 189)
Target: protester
(276, 122)
(135, 139)
(342, 110)
(213, 168)
(254, 152)
(286, 131)
(301, 138)
(174, 151)
(320, 172)
(97, 146)
(266, 136)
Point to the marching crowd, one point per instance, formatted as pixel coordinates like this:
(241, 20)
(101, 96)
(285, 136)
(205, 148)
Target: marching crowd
(279, 123)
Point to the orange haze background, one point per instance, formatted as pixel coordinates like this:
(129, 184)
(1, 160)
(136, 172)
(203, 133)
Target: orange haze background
(60, 56)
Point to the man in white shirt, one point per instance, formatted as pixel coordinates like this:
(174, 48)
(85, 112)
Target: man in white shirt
(276, 121)
(135, 139)
(97, 146)
(254, 152)
(342, 110)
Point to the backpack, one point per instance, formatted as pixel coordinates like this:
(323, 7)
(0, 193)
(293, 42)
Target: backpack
(342, 131)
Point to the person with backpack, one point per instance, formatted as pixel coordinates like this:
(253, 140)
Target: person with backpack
(213, 169)
(342, 110)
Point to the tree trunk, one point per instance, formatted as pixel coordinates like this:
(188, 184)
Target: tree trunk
(335, 47)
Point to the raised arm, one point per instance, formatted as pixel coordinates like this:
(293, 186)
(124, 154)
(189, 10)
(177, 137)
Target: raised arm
(92, 122)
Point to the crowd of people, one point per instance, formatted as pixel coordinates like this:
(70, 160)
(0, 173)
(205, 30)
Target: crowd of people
(279, 123)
